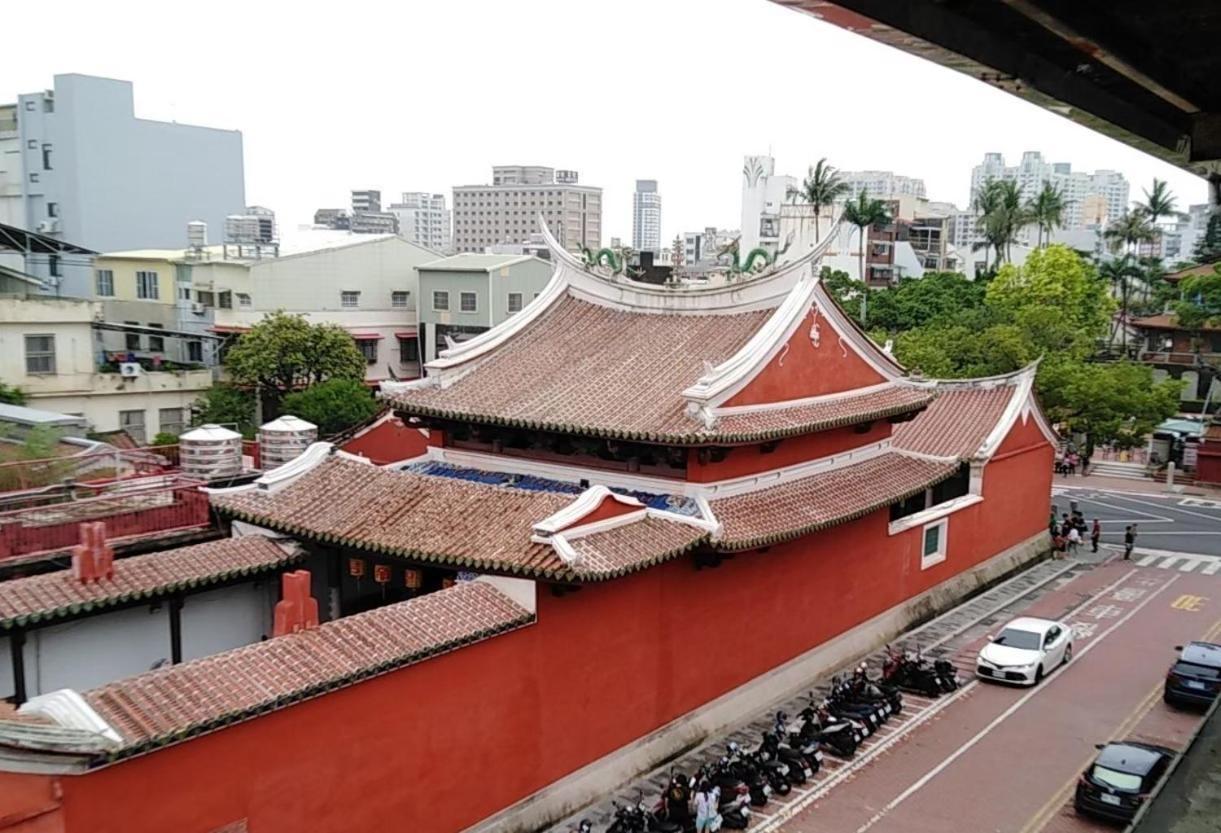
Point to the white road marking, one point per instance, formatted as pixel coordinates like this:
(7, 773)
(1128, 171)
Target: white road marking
(1180, 510)
(1003, 716)
(1168, 560)
(1203, 504)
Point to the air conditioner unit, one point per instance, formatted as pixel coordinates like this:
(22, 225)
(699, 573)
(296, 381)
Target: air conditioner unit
(129, 370)
(48, 226)
(198, 308)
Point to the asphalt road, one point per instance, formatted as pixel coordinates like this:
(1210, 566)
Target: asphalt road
(1171, 524)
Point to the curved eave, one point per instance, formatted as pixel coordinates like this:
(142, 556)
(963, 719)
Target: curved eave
(566, 575)
(694, 438)
(785, 535)
(51, 615)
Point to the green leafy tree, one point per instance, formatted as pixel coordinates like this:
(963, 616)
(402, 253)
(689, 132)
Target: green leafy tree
(1158, 203)
(225, 405)
(1046, 210)
(998, 204)
(820, 188)
(164, 438)
(1113, 401)
(1129, 231)
(1208, 249)
(11, 395)
(334, 405)
(1200, 304)
(284, 353)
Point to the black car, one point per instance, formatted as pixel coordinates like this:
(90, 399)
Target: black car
(1116, 785)
(1196, 678)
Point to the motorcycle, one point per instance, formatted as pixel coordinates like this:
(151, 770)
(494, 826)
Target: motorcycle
(735, 798)
(672, 812)
(909, 671)
(629, 818)
(818, 724)
(947, 674)
(734, 765)
(808, 750)
(776, 772)
(799, 771)
(864, 687)
(844, 702)
(585, 826)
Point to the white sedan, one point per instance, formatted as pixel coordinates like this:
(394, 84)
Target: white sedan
(1025, 650)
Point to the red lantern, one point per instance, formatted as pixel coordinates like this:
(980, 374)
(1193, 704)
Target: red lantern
(413, 579)
(381, 573)
(356, 567)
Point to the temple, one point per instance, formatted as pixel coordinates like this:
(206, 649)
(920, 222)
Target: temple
(643, 512)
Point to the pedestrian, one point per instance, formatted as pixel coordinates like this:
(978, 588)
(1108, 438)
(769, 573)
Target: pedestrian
(1129, 541)
(1074, 540)
(1095, 534)
(1058, 543)
(707, 815)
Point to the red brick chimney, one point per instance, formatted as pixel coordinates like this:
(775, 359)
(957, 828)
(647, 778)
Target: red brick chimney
(92, 558)
(297, 610)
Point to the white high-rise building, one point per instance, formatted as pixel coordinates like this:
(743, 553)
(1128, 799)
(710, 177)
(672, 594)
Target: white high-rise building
(424, 220)
(507, 211)
(646, 217)
(1078, 187)
(703, 246)
(763, 192)
(882, 185)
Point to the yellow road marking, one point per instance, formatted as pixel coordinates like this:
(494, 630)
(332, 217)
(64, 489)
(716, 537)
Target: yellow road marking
(1189, 603)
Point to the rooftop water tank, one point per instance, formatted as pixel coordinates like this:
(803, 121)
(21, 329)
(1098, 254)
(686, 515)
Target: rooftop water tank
(284, 439)
(210, 451)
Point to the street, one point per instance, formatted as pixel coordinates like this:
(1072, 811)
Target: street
(1166, 523)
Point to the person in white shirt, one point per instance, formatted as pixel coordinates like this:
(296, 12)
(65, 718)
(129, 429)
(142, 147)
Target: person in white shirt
(1074, 539)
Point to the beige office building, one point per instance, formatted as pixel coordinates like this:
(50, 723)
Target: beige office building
(507, 211)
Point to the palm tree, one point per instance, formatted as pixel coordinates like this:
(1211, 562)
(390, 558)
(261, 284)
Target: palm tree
(1120, 272)
(863, 213)
(1047, 210)
(1158, 203)
(999, 206)
(821, 187)
(1129, 231)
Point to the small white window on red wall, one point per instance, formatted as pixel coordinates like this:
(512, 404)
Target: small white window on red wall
(933, 543)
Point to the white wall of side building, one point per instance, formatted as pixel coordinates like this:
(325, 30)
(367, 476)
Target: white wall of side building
(763, 193)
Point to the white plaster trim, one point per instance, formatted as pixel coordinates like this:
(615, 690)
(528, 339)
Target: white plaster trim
(920, 455)
(943, 543)
(67, 708)
(355, 458)
(586, 502)
(777, 477)
(522, 591)
(933, 513)
(729, 410)
(1023, 385)
(565, 550)
(308, 460)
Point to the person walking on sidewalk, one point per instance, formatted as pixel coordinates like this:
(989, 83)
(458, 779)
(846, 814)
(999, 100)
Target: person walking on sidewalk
(1074, 540)
(1129, 542)
(1095, 534)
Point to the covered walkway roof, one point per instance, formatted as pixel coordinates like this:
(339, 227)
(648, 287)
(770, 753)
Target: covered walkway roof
(1142, 73)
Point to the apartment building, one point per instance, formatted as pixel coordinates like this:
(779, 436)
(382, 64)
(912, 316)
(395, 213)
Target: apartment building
(507, 211)
(424, 220)
(1084, 192)
(882, 185)
(701, 247)
(646, 217)
(763, 193)
(77, 164)
(467, 294)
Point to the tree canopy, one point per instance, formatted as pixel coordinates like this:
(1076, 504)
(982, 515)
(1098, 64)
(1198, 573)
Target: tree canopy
(11, 394)
(333, 405)
(1200, 302)
(284, 352)
(225, 405)
(1208, 249)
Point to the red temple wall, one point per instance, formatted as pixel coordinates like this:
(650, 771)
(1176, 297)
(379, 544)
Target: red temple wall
(388, 442)
(602, 667)
(750, 459)
(805, 370)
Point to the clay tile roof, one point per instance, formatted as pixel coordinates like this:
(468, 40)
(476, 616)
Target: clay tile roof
(824, 413)
(587, 369)
(957, 423)
(57, 595)
(633, 546)
(467, 525)
(1169, 321)
(799, 507)
(181, 701)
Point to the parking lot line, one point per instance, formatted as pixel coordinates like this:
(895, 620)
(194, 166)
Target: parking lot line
(1003, 716)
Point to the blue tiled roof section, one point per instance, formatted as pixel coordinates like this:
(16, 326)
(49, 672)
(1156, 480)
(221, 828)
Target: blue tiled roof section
(671, 503)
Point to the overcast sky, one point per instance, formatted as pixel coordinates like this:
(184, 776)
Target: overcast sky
(422, 96)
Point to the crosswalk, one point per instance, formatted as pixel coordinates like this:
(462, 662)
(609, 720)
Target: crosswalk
(1184, 562)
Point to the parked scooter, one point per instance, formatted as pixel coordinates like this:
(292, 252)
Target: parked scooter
(735, 798)
(808, 750)
(909, 671)
(844, 702)
(840, 737)
(799, 771)
(745, 771)
(776, 772)
(629, 818)
(672, 812)
(585, 826)
(872, 690)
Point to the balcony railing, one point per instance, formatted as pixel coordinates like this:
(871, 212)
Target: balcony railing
(1185, 359)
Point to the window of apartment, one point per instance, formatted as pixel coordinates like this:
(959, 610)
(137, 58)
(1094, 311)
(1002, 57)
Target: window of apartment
(224, 300)
(208, 299)
(468, 302)
(184, 293)
(46, 157)
(349, 299)
(368, 348)
(133, 339)
(40, 355)
(33, 177)
(156, 344)
(133, 423)
(105, 282)
(146, 286)
(29, 105)
(53, 265)
(195, 351)
(398, 300)
(52, 209)
(440, 300)
(933, 551)
(409, 350)
(169, 421)
(514, 302)
(243, 300)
